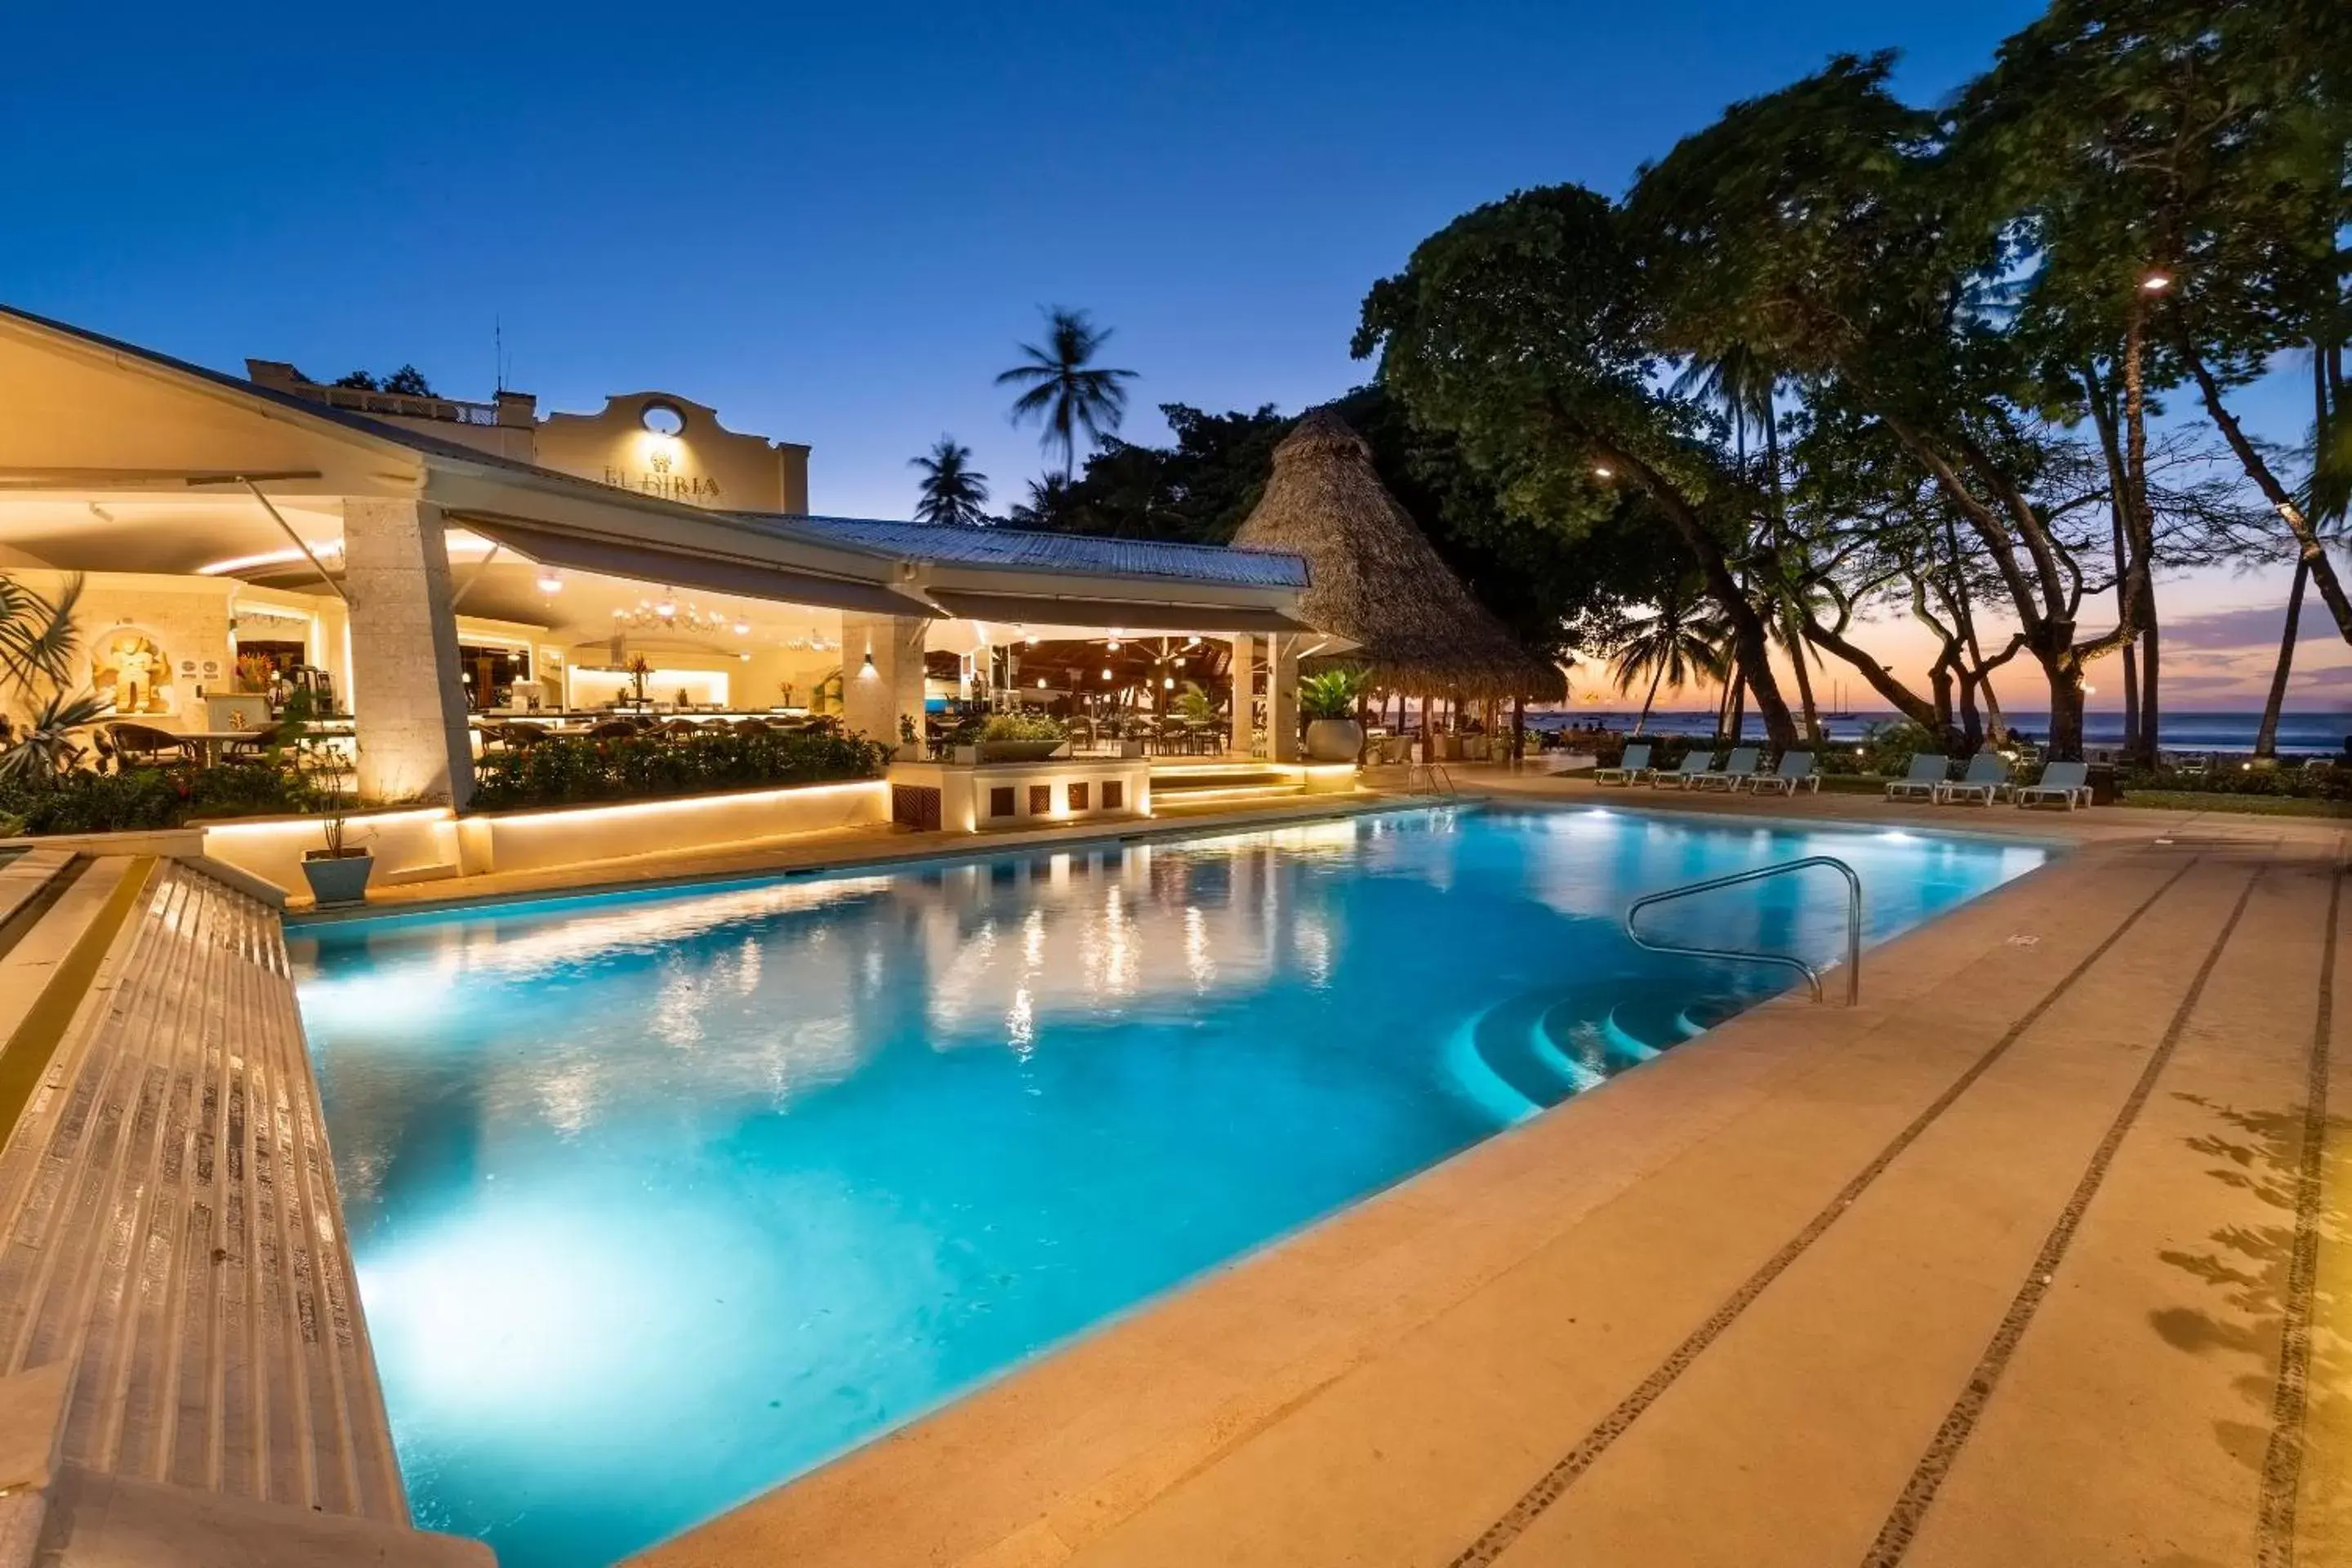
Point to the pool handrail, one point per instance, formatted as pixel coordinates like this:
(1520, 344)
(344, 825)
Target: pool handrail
(1812, 974)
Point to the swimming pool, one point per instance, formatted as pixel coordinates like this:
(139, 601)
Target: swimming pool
(659, 1200)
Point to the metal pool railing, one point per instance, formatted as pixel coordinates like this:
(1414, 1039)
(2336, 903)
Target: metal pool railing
(1812, 974)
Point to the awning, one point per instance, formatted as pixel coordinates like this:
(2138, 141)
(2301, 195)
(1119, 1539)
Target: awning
(676, 567)
(1127, 615)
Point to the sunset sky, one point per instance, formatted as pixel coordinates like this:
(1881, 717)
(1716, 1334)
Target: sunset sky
(835, 222)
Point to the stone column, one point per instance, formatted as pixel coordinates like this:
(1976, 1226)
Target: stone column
(404, 685)
(1243, 680)
(1281, 696)
(873, 704)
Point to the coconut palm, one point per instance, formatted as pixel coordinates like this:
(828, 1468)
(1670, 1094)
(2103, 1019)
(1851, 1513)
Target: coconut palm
(953, 491)
(1739, 382)
(1679, 643)
(1065, 390)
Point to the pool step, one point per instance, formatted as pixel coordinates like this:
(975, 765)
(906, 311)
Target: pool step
(1534, 1050)
(1220, 786)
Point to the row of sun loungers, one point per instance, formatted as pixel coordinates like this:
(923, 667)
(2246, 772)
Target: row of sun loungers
(1985, 782)
(1739, 771)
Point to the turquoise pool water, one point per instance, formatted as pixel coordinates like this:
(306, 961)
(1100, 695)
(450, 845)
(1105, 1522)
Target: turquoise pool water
(659, 1200)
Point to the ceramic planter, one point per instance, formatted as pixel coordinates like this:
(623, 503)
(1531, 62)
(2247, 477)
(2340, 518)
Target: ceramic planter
(1334, 740)
(338, 881)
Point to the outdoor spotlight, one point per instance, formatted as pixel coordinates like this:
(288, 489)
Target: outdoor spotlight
(865, 671)
(2156, 283)
(549, 583)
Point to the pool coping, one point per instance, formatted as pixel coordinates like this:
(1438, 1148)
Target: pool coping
(931, 850)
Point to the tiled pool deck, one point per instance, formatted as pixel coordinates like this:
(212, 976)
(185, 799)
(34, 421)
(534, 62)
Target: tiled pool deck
(2039, 1255)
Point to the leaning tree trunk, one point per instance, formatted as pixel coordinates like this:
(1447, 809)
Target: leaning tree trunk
(1797, 651)
(1749, 644)
(2150, 669)
(2312, 551)
(1649, 699)
(2266, 737)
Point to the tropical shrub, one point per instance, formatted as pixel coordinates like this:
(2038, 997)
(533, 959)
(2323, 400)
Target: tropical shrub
(562, 770)
(1331, 693)
(146, 798)
(2288, 783)
(1023, 726)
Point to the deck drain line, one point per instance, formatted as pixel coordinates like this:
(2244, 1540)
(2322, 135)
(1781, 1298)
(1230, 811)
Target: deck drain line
(2282, 1455)
(1894, 1536)
(1556, 1481)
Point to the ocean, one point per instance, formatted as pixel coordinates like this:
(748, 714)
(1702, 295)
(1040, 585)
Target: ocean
(2300, 734)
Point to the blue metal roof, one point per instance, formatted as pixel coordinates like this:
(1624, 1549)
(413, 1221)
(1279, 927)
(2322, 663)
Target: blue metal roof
(956, 544)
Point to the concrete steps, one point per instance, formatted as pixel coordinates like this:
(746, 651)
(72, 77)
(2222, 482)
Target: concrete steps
(169, 1227)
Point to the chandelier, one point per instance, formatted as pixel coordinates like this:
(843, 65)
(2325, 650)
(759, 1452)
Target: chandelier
(665, 614)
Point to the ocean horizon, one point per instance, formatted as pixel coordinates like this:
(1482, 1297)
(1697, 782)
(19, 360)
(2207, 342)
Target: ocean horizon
(2305, 734)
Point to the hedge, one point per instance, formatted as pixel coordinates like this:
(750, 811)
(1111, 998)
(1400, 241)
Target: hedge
(564, 770)
(146, 798)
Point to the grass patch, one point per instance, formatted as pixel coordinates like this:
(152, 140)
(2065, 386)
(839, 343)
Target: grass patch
(2242, 805)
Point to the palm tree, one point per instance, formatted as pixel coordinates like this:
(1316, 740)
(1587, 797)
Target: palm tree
(1065, 389)
(1739, 382)
(1677, 644)
(953, 491)
(37, 636)
(37, 640)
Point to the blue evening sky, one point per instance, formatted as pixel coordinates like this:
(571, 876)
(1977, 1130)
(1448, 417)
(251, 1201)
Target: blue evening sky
(835, 223)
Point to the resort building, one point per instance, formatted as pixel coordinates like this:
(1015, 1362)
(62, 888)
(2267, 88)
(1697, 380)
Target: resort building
(442, 572)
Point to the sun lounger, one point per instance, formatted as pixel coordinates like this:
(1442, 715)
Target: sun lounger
(1737, 770)
(1986, 781)
(2065, 783)
(1694, 766)
(1795, 773)
(1928, 771)
(1631, 769)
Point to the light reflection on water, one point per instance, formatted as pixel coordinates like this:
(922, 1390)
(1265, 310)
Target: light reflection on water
(659, 1200)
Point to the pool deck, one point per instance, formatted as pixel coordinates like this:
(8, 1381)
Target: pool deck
(2039, 1255)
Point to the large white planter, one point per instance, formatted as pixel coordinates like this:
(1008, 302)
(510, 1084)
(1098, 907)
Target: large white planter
(1334, 740)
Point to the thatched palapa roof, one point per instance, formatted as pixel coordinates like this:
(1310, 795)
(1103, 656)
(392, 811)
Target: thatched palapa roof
(1373, 579)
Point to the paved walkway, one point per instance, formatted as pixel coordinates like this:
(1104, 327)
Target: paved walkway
(2027, 1261)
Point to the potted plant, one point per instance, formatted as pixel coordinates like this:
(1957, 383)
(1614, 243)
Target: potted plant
(1329, 700)
(1016, 738)
(338, 872)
